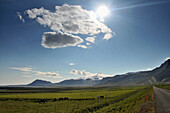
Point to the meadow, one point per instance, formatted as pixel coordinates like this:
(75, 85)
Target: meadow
(164, 86)
(80, 100)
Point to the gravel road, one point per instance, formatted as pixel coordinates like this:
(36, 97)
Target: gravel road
(161, 100)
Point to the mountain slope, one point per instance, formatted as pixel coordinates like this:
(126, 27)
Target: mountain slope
(40, 83)
(70, 82)
(78, 82)
(157, 75)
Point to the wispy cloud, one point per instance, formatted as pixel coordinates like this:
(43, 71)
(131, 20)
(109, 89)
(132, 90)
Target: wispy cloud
(47, 74)
(20, 17)
(27, 76)
(32, 72)
(25, 69)
(71, 64)
(70, 19)
(87, 43)
(87, 75)
(82, 46)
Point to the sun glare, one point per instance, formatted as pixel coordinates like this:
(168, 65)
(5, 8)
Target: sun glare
(102, 11)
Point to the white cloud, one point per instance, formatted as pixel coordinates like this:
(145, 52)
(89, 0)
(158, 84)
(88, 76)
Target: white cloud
(31, 72)
(89, 75)
(107, 36)
(88, 43)
(82, 46)
(27, 76)
(48, 74)
(70, 19)
(79, 72)
(114, 33)
(20, 17)
(71, 64)
(91, 39)
(24, 69)
(167, 58)
(96, 76)
(56, 40)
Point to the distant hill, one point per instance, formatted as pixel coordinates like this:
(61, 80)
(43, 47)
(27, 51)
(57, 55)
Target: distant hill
(158, 75)
(70, 82)
(78, 82)
(40, 83)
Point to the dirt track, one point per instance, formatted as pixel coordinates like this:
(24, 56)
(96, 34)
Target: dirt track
(162, 100)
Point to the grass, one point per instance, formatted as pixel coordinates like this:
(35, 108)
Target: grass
(71, 94)
(135, 103)
(19, 102)
(164, 86)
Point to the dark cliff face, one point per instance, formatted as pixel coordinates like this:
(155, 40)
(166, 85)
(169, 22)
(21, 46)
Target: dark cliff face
(168, 61)
(157, 75)
(164, 76)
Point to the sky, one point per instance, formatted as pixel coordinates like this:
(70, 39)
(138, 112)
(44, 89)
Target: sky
(56, 40)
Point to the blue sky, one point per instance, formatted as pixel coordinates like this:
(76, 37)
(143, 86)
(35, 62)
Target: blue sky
(139, 29)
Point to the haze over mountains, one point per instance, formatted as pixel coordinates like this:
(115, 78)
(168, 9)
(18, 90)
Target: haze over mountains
(158, 75)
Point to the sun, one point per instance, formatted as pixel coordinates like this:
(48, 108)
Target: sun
(102, 11)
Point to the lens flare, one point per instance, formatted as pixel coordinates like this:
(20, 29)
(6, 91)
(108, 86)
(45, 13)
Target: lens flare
(102, 11)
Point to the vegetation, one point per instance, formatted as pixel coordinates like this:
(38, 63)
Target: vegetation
(75, 94)
(116, 99)
(141, 101)
(164, 86)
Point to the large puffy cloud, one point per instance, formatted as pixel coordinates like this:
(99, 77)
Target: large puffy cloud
(70, 19)
(31, 72)
(89, 75)
(56, 40)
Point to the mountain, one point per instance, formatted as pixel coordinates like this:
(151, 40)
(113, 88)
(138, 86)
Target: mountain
(40, 83)
(70, 82)
(158, 75)
(78, 82)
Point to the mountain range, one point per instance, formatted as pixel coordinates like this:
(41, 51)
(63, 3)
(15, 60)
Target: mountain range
(160, 74)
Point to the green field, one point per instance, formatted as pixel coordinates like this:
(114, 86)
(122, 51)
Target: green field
(164, 86)
(80, 100)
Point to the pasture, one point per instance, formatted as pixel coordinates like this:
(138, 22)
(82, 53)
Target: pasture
(25, 100)
(164, 86)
